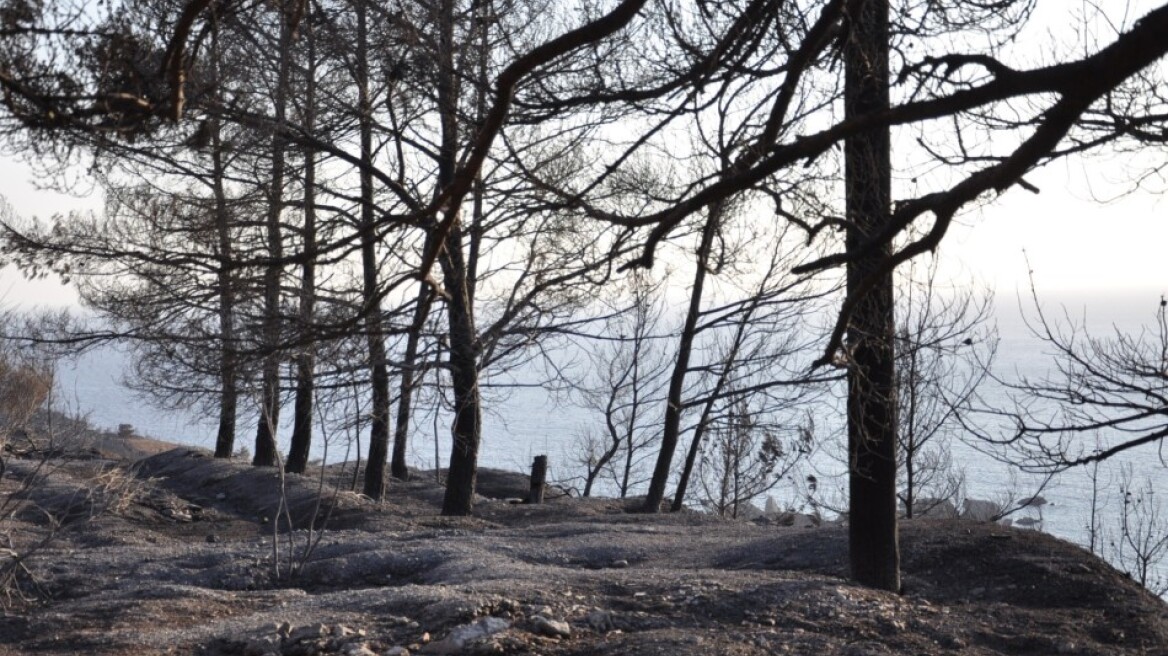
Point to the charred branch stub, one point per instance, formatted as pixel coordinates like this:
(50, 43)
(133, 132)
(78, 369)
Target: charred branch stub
(539, 468)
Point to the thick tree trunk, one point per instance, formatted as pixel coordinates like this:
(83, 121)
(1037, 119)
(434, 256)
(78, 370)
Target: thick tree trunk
(872, 424)
(671, 430)
(306, 360)
(464, 371)
(269, 420)
(464, 375)
(378, 369)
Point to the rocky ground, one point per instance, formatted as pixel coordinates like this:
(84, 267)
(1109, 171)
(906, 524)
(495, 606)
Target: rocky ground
(177, 554)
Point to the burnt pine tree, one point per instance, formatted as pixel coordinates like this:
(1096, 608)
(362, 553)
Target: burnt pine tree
(378, 369)
(871, 365)
(269, 419)
(301, 441)
(225, 277)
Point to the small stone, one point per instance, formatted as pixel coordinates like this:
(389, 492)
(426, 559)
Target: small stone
(600, 621)
(221, 496)
(977, 592)
(952, 642)
(310, 632)
(283, 629)
(358, 649)
(461, 636)
(551, 628)
(620, 564)
(397, 651)
(1065, 647)
(212, 538)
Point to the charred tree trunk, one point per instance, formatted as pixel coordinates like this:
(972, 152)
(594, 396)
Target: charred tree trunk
(378, 369)
(306, 359)
(464, 371)
(225, 284)
(464, 375)
(269, 421)
(538, 480)
(872, 424)
(409, 379)
(671, 430)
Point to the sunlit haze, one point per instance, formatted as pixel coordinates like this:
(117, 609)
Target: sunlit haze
(1082, 233)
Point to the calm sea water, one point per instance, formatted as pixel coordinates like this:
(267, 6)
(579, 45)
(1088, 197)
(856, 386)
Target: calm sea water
(524, 422)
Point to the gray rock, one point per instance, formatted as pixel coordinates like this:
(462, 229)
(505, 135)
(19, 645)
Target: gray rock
(601, 621)
(261, 647)
(952, 642)
(463, 635)
(551, 628)
(980, 510)
(310, 632)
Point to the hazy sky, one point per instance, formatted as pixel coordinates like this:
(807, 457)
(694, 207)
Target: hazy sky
(1073, 240)
(1084, 233)
(1074, 243)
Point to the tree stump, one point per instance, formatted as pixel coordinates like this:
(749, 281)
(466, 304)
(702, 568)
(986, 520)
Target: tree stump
(538, 476)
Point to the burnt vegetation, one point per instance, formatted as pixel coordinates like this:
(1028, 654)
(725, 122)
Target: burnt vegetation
(387, 212)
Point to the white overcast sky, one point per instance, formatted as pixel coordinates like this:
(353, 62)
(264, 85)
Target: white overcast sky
(1085, 233)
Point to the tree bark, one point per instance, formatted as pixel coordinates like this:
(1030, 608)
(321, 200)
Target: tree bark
(538, 480)
(464, 370)
(306, 360)
(378, 370)
(467, 429)
(269, 420)
(405, 400)
(872, 424)
(225, 284)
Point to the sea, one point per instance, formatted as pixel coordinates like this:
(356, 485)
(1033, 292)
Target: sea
(522, 422)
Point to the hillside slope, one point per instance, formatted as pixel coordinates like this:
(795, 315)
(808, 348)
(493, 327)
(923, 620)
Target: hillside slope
(181, 560)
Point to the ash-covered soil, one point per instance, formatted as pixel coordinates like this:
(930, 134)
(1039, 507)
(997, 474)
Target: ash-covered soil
(177, 555)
